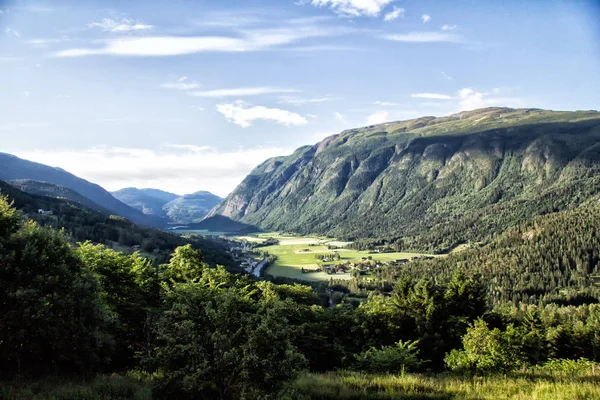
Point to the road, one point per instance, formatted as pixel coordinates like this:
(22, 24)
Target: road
(259, 267)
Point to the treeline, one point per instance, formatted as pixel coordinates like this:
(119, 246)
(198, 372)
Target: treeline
(83, 224)
(196, 332)
(550, 259)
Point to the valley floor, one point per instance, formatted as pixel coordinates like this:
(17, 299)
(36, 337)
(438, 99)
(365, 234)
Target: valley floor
(295, 253)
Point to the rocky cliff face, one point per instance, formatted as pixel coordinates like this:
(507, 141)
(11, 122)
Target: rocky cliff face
(408, 179)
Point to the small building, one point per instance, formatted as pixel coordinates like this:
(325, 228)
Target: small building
(44, 212)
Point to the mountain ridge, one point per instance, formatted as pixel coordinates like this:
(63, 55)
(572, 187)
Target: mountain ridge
(406, 179)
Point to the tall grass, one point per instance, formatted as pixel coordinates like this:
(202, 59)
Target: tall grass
(521, 386)
(99, 388)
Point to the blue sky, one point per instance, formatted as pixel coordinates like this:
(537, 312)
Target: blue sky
(187, 95)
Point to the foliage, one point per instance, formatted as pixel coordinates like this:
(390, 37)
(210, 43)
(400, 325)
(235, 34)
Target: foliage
(488, 350)
(404, 356)
(224, 340)
(52, 318)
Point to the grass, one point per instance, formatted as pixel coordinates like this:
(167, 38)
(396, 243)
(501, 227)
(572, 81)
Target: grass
(290, 259)
(355, 386)
(99, 388)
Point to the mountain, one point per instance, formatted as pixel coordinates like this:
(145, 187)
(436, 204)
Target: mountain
(148, 201)
(14, 168)
(191, 207)
(428, 183)
(55, 191)
(83, 223)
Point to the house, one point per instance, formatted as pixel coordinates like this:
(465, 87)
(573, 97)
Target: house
(44, 212)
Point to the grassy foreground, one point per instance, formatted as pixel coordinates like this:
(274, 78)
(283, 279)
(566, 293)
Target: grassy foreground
(350, 385)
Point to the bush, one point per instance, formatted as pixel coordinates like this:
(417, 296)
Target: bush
(404, 356)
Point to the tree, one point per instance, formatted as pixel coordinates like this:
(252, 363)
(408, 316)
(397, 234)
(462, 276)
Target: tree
(404, 356)
(51, 317)
(488, 350)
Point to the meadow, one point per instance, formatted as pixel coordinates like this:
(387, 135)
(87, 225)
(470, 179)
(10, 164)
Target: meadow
(530, 386)
(293, 253)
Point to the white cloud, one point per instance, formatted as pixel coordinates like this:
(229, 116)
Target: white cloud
(43, 43)
(9, 31)
(340, 117)
(298, 101)
(378, 117)
(240, 92)
(436, 96)
(426, 18)
(424, 37)
(385, 104)
(449, 27)
(353, 8)
(394, 14)
(178, 168)
(121, 25)
(243, 114)
(23, 125)
(180, 84)
(446, 76)
(245, 41)
(471, 99)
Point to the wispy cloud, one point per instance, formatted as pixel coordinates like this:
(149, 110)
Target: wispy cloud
(352, 8)
(242, 41)
(446, 76)
(424, 37)
(378, 117)
(10, 31)
(298, 101)
(471, 99)
(179, 168)
(23, 125)
(394, 14)
(449, 27)
(385, 104)
(425, 18)
(436, 96)
(180, 84)
(43, 43)
(120, 25)
(340, 117)
(242, 92)
(243, 114)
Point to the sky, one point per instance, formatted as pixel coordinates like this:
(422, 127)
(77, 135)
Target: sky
(188, 95)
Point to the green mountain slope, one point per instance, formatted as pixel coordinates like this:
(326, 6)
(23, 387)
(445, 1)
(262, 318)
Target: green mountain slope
(55, 191)
(430, 183)
(14, 168)
(191, 207)
(84, 223)
(148, 201)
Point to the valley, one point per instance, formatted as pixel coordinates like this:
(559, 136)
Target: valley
(320, 259)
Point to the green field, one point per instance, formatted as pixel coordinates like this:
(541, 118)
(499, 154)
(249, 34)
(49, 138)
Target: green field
(290, 259)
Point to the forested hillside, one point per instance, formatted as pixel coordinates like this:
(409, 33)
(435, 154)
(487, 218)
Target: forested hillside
(14, 168)
(83, 223)
(430, 183)
(549, 259)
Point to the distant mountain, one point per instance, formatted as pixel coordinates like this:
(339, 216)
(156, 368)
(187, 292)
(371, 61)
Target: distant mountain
(148, 201)
(58, 192)
(191, 207)
(14, 168)
(83, 223)
(427, 183)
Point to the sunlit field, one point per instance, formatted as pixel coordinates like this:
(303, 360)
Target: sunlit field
(294, 253)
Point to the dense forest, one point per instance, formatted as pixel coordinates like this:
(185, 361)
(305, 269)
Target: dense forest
(183, 329)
